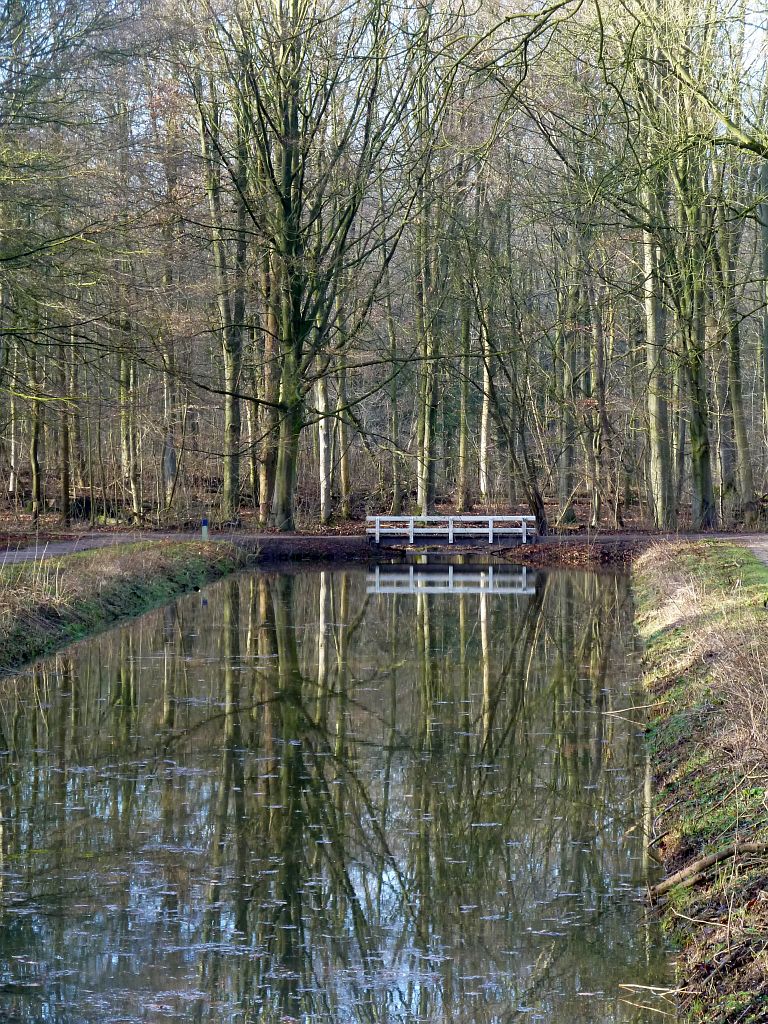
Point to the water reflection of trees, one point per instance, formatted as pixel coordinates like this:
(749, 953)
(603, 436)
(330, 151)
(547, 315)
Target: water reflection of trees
(293, 802)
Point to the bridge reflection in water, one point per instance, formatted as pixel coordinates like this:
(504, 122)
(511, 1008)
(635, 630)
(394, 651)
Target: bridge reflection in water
(435, 578)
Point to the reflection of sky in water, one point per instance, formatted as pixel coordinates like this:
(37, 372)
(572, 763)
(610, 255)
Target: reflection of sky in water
(305, 803)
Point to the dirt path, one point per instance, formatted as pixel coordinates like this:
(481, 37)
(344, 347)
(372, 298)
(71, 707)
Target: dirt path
(272, 546)
(275, 547)
(758, 545)
(52, 549)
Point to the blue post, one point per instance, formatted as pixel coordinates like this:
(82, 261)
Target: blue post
(205, 529)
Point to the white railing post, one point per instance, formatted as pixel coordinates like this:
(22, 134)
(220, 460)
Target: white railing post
(525, 531)
(450, 529)
(490, 529)
(410, 530)
(378, 529)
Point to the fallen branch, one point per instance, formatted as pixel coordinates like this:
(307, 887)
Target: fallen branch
(693, 871)
(636, 707)
(658, 990)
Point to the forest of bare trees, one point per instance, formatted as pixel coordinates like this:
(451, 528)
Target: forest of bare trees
(296, 260)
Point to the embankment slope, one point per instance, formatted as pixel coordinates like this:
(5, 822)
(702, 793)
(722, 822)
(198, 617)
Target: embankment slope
(47, 604)
(701, 610)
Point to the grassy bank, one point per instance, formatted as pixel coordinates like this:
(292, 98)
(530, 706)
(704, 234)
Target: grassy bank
(46, 604)
(701, 611)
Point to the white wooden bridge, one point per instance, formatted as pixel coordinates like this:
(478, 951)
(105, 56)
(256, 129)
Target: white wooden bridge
(450, 579)
(393, 530)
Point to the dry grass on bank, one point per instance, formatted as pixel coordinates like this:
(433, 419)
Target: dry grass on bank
(710, 601)
(701, 612)
(47, 603)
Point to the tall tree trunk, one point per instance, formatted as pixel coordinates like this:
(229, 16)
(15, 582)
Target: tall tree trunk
(703, 504)
(233, 358)
(564, 375)
(270, 382)
(395, 383)
(14, 447)
(291, 424)
(323, 445)
(35, 417)
(426, 387)
(679, 419)
(725, 260)
(252, 422)
(744, 475)
(170, 461)
(79, 456)
(598, 417)
(725, 445)
(394, 422)
(64, 456)
(427, 415)
(764, 287)
(462, 480)
(659, 453)
(485, 413)
(230, 503)
(292, 328)
(343, 443)
(126, 379)
(231, 309)
(425, 328)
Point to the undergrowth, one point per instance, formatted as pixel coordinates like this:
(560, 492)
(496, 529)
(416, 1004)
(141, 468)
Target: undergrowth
(702, 613)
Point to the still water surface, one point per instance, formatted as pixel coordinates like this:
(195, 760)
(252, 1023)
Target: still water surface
(290, 798)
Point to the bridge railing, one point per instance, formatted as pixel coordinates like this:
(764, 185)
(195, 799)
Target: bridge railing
(450, 528)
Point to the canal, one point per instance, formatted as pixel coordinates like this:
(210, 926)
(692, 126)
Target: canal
(331, 797)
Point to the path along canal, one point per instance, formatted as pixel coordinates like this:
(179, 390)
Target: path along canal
(288, 799)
